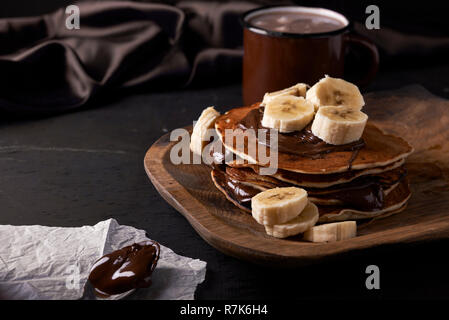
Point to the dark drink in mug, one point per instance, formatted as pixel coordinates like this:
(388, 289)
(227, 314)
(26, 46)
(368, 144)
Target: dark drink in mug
(284, 45)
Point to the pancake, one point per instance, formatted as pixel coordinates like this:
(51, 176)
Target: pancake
(365, 193)
(314, 157)
(300, 179)
(315, 180)
(324, 180)
(395, 201)
(241, 193)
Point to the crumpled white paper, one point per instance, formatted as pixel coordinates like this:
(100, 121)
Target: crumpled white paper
(38, 262)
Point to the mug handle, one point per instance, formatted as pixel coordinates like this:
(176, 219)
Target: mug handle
(368, 46)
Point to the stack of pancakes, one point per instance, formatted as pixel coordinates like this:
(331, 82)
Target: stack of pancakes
(363, 179)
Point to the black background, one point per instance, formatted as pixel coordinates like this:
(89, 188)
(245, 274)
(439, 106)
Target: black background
(83, 167)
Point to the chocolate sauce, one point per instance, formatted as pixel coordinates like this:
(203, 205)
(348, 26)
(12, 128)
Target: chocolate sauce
(364, 193)
(125, 269)
(303, 143)
(238, 191)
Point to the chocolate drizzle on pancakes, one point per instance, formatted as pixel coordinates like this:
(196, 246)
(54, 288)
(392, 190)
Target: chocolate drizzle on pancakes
(365, 193)
(303, 143)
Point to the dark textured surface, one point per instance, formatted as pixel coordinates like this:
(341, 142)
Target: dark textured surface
(80, 168)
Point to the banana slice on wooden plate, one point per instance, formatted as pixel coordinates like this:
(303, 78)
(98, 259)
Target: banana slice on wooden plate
(335, 92)
(331, 232)
(298, 90)
(278, 205)
(288, 113)
(200, 136)
(304, 221)
(339, 125)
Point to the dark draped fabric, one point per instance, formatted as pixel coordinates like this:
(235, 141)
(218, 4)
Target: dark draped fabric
(45, 67)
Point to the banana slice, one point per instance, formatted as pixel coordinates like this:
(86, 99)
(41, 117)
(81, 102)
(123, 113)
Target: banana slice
(331, 232)
(298, 90)
(306, 220)
(339, 125)
(335, 92)
(288, 113)
(278, 205)
(206, 121)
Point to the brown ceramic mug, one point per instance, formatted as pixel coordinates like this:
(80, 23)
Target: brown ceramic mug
(275, 59)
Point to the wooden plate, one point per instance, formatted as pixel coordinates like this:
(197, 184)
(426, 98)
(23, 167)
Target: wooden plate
(413, 113)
